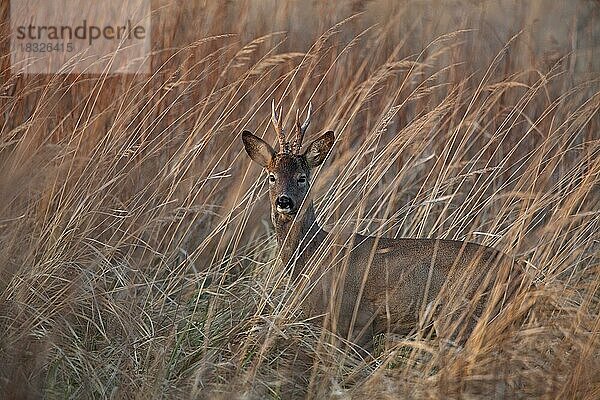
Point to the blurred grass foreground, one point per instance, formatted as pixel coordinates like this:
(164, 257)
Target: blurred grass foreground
(137, 258)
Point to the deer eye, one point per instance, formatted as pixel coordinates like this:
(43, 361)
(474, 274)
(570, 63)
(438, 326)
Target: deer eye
(302, 179)
(271, 178)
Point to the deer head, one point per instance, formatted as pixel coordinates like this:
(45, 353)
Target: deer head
(289, 171)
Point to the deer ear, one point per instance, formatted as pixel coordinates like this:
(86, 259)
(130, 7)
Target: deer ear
(258, 150)
(317, 151)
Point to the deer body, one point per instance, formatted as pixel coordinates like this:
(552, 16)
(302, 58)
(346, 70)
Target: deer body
(369, 285)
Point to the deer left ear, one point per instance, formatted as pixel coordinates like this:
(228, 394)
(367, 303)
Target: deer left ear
(258, 150)
(317, 151)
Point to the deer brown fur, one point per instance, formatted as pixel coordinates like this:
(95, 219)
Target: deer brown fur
(371, 285)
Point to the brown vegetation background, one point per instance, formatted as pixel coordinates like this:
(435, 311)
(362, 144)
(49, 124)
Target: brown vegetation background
(137, 259)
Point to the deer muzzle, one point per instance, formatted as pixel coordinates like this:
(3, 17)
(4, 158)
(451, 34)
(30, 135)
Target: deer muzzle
(284, 204)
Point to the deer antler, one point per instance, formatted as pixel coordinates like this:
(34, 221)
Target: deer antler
(277, 120)
(301, 129)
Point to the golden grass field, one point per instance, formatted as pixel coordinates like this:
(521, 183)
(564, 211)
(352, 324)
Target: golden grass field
(137, 256)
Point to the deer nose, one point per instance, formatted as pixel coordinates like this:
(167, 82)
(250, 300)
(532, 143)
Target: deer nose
(284, 203)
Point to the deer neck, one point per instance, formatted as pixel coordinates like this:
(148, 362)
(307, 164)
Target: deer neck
(297, 237)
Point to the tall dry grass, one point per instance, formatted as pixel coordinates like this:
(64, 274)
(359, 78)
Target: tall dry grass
(136, 256)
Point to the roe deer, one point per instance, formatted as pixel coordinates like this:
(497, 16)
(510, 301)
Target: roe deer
(387, 285)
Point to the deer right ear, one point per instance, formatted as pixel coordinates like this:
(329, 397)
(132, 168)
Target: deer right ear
(258, 150)
(317, 151)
